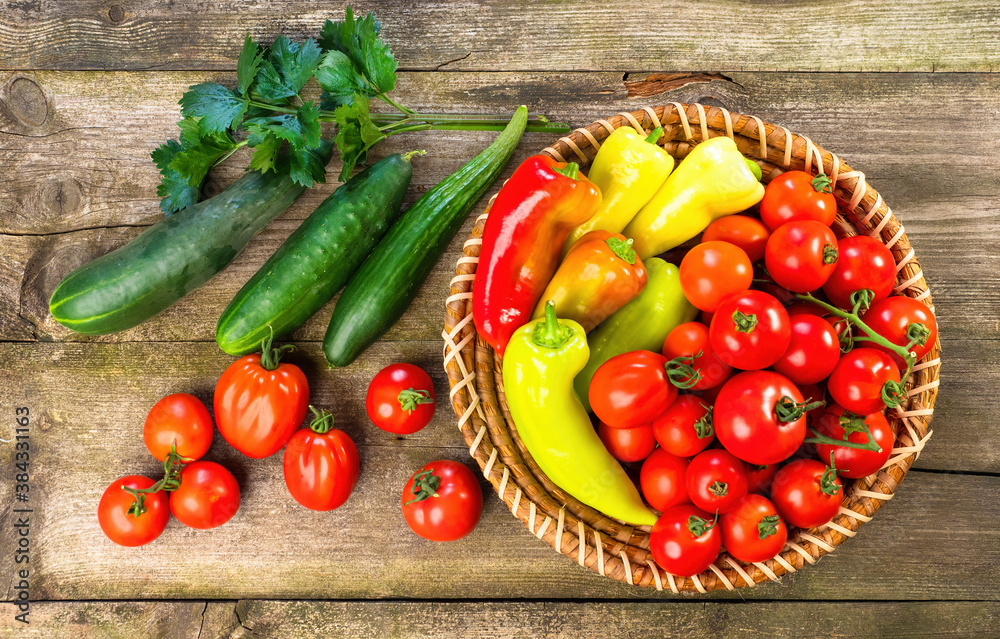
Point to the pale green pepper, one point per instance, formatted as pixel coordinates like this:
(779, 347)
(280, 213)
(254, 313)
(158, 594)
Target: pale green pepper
(539, 365)
(640, 325)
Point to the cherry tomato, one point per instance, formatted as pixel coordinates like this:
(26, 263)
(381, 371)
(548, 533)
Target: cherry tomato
(628, 444)
(631, 389)
(863, 263)
(208, 496)
(716, 481)
(400, 399)
(753, 531)
(685, 540)
(320, 464)
(442, 501)
(841, 327)
(179, 420)
(746, 232)
(801, 255)
(124, 528)
(759, 417)
(685, 428)
(805, 494)
(857, 381)
(260, 402)
(713, 270)
(854, 462)
(750, 330)
(690, 338)
(813, 352)
(797, 195)
(901, 320)
(759, 477)
(662, 480)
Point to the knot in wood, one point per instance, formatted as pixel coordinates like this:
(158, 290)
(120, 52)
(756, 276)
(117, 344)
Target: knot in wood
(27, 102)
(60, 197)
(116, 13)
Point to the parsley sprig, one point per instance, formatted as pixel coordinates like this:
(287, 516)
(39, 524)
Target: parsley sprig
(266, 111)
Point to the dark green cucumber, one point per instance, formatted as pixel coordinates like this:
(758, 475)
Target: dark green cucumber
(382, 289)
(173, 257)
(317, 259)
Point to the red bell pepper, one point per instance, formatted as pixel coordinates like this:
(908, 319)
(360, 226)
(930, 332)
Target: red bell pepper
(527, 226)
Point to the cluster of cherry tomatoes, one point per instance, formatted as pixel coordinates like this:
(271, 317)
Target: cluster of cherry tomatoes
(260, 404)
(812, 342)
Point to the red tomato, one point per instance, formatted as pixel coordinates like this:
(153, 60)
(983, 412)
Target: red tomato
(857, 381)
(631, 389)
(690, 338)
(750, 330)
(800, 256)
(748, 233)
(179, 420)
(260, 403)
(716, 481)
(400, 399)
(124, 528)
(797, 195)
(208, 496)
(759, 477)
(685, 540)
(713, 270)
(841, 327)
(805, 494)
(863, 263)
(442, 501)
(685, 428)
(628, 444)
(747, 421)
(893, 317)
(753, 531)
(662, 480)
(320, 464)
(854, 462)
(813, 352)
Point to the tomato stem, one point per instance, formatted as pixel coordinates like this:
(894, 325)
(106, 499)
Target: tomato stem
(828, 482)
(171, 481)
(705, 427)
(681, 371)
(744, 323)
(768, 526)
(788, 410)
(322, 420)
(409, 399)
(271, 357)
(698, 526)
(821, 183)
(862, 299)
(829, 254)
(425, 485)
(817, 438)
(719, 488)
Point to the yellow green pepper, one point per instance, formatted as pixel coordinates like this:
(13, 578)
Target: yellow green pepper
(540, 362)
(640, 325)
(714, 180)
(628, 169)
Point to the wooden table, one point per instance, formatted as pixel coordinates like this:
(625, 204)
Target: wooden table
(904, 91)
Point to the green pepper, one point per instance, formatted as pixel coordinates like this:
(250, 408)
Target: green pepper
(640, 325)
(540, 362)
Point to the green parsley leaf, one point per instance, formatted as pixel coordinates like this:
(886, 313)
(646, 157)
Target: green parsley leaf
(306, 166)
(358, 40)
(288, 67)
(265, 151)
(184, 165)
(218, 107)
(339, 79)
(300, 129)
(176, 193)
(355, 133)
(270, 86)
(246, 66)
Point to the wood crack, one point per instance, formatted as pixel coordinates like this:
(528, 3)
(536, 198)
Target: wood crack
(458, 59)
(48, 135)
(657, 83)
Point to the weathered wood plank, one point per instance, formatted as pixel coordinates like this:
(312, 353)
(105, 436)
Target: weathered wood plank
(89, 401)
(270, 619)
(509, 35)
(936, 173)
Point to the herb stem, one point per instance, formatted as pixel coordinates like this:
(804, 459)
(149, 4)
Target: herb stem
(393, 103)
(239, 145)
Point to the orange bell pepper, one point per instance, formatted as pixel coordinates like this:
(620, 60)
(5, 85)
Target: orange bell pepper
(600, 274)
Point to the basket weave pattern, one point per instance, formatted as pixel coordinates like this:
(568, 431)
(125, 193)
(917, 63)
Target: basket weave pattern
(610, 547)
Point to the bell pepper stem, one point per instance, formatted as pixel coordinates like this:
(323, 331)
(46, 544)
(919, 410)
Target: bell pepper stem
(655, 135)
(754, 168)
(571, 170)
(549, 333)
(622, 248)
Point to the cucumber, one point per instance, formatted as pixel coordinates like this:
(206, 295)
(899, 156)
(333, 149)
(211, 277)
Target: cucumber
(317, 259)
(382, 289)
(172, 257)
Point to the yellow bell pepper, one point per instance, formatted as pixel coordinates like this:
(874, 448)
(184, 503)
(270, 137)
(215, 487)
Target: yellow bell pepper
(713, 181)
(628, 169)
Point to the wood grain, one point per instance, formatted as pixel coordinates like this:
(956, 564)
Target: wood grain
(911, 35)
(89, 401)
(269, 619)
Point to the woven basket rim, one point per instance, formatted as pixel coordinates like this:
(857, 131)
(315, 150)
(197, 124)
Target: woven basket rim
(615, 549)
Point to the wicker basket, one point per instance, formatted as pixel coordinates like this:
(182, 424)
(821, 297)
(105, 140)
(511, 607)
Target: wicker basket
(610, 547)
